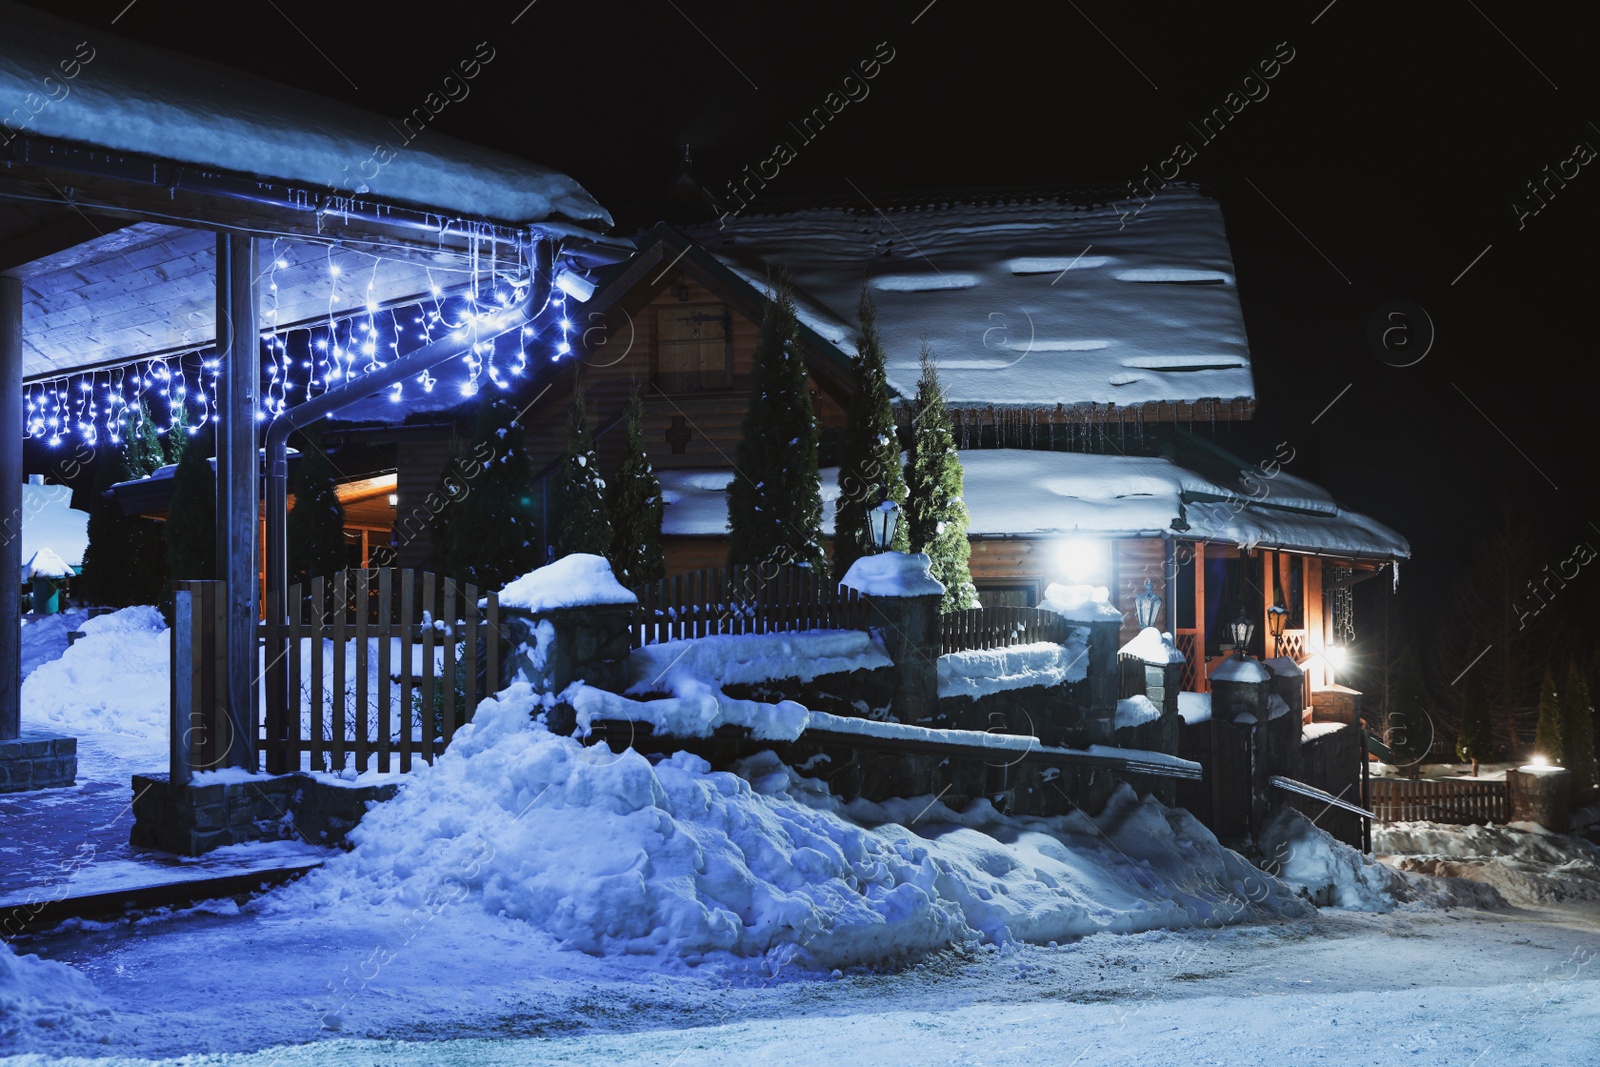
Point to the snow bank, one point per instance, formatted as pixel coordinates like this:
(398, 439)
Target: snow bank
(113, 680)
(1526, 863)
(571, 581)
(609, 855)
(44, 638)
(893, 574)
(743, 659)
(42, 996)
(1330, 873)
(980, 671)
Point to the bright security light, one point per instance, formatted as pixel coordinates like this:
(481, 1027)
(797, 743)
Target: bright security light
(1080, 559)
(1336, 656)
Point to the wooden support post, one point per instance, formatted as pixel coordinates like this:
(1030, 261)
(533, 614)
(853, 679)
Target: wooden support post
(10, 508)
(238, 489)
(1202, 682)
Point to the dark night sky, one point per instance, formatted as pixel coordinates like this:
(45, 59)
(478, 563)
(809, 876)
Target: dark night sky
(1392, 148)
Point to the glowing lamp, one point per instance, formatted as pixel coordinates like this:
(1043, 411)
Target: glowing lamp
(1242, 630)
(1337, 656)
(1147, 605)
(394, 500)
(1079, 559)
(881, 523)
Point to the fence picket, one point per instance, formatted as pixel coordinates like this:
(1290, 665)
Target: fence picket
(469, 610)
(363, 675)
(408, 617)
(447, 673)
(385, 629)
(430, 608)
(296, 607)
(492, 646)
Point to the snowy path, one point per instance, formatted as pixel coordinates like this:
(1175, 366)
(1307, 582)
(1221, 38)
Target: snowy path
(1346, 988)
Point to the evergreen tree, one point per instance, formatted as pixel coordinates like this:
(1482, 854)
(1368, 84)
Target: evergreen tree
(316, 522)
(581, 521)
(143, 445)
(191, 530)
(775, 498)
(1475, 738)
(110, 562)
(1577, 734)
(634, 502)
(1547, 740)
(177, 436)
(869, 467)
(490, 526)
(935, 513)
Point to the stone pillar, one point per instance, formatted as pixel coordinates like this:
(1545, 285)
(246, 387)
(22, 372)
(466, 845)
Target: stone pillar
(1104, 674)
(10, 507)
(554, 647)
(1542, 795)
(909, 629)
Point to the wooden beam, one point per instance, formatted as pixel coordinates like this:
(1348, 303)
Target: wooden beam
(10, 508)
(58, 230)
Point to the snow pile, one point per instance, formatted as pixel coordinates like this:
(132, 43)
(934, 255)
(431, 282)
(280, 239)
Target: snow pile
(44, 638)
(893, 574)
(1153, 646)
(45, 563)
(607, 854)
(1194, 707)
(744, 659)
(1237, 668)
(1081, 603)
(1136, 711)
(1330, 873)
(1523, 861)
(113, 680)
(570, 582)
(41, 994)
(980, 671)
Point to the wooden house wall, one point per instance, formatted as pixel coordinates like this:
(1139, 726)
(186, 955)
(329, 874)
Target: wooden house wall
(423, 455)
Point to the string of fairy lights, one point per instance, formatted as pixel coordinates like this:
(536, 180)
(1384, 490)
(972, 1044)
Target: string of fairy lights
(178, 392)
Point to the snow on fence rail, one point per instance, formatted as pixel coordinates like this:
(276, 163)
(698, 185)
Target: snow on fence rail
(743, 600)
(1449, 800)
(999, 627)
(384, 670)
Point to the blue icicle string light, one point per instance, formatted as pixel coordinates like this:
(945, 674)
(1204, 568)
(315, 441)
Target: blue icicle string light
(304, 360)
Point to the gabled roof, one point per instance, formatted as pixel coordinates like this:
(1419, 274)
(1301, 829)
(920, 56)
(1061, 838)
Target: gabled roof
(125, 96)
(1025, 301)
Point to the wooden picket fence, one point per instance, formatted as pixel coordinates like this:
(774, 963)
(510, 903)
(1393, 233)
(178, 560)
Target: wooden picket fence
(743, 600)
(998, 627)
(411, 657)
(1440, 800)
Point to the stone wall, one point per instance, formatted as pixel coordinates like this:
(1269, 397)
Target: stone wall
(37, 760)
(196, 818)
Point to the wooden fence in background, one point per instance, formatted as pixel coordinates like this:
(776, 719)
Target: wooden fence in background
(999, 627)
(1449, 800)
(411, 657)
(743, 600)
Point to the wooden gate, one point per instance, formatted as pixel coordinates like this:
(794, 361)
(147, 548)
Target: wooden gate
(379, 666)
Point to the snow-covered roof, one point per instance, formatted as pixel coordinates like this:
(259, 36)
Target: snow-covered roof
(1025, 302)
(126, 96)
(1012, 492)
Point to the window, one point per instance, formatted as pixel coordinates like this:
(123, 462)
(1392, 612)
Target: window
(692, 348)
(1014, 596)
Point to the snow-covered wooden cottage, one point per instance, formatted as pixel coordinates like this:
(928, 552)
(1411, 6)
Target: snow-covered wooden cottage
(1088, 355)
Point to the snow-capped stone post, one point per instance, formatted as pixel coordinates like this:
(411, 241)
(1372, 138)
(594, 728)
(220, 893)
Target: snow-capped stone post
(1163, 667)
(903, 607)
(1090, 605)
(1540, 793)
(568, 621)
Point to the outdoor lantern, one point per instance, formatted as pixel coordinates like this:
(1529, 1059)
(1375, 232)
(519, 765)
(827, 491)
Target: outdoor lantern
(1275, 616)
(1080, 558)
(881, 523)
(1243, 630)
(1147, 605)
